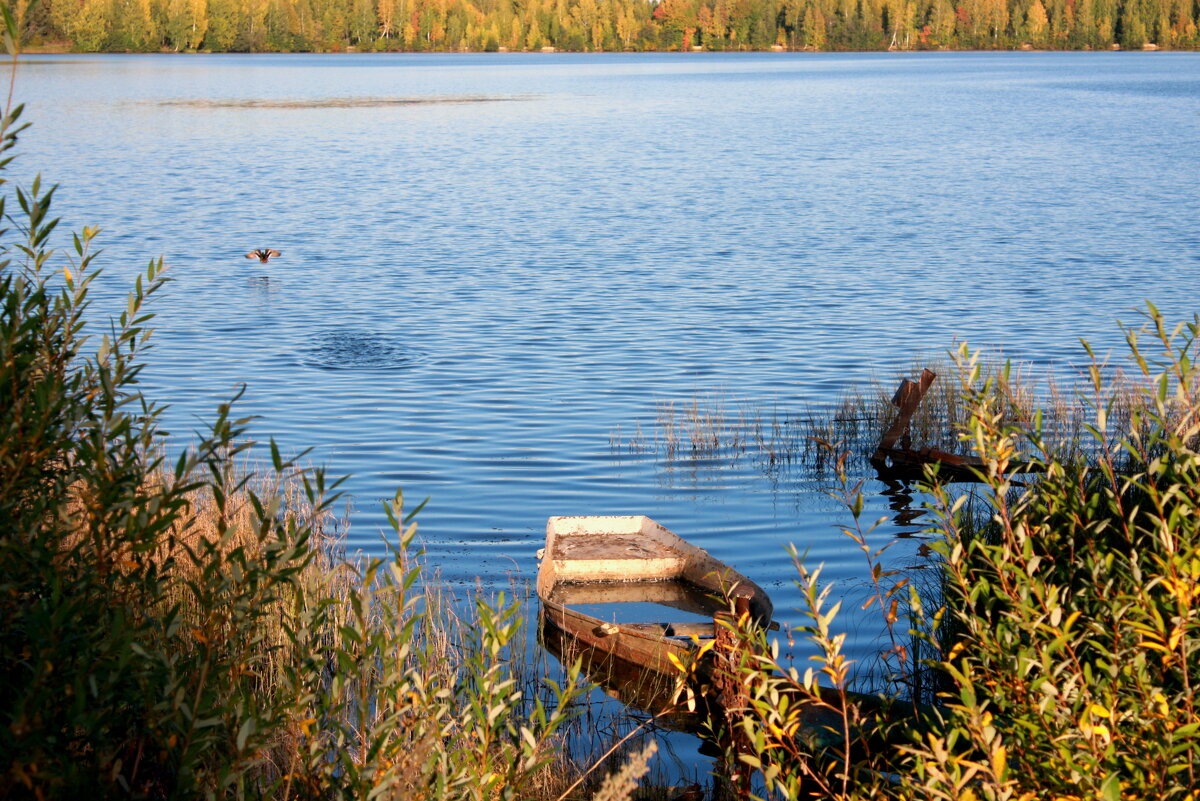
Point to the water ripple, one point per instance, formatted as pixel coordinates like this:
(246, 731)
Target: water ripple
(328, 102)
(357, 350)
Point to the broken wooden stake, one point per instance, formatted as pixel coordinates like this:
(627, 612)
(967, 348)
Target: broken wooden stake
(896, 460)
(908, 397)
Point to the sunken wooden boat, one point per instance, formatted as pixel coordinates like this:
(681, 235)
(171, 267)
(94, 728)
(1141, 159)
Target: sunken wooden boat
(633, 559)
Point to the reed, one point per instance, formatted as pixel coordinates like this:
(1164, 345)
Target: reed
(777, 438)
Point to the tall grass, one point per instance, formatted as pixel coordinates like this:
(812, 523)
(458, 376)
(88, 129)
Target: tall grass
(776, 438)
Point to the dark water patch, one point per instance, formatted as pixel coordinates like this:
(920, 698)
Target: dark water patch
(331, 102)
(357, 350)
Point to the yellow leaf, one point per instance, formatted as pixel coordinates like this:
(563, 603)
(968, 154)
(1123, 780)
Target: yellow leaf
(67, 273)
(999, 762)
(1099, 711)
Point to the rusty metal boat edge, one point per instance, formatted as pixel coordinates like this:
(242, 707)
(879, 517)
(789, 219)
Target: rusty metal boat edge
(634, 548)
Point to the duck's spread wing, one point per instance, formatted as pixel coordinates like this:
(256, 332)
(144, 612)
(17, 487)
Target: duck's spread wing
(251, 255)
(274, 253)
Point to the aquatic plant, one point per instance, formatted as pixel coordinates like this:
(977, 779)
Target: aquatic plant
(821, 441)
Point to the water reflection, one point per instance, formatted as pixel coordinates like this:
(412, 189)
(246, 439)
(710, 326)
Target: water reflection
(907, 505)
(648, 695)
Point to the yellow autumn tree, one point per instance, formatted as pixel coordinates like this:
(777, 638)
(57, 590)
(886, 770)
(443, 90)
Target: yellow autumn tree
(186, 23)
(1037, 23)
(533, 40)
(90, 25)
(814, 28)
(385, 10)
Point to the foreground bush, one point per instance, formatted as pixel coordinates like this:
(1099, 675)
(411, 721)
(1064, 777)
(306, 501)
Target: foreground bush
(1068, 633)
(189, 630)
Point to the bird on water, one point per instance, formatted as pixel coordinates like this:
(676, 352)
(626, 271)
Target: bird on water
(263, 254)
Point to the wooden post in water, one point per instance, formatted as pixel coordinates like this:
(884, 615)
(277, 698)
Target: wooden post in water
(895, 460)
(908, 398)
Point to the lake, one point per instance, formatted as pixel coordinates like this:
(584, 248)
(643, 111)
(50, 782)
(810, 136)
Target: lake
(497, 268)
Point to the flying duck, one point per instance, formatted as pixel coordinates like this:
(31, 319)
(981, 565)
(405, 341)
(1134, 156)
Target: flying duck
(264, 254)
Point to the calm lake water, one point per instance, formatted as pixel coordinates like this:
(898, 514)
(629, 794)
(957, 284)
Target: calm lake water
(494, 263)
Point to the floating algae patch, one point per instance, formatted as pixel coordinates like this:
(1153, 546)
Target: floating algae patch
(332, 102)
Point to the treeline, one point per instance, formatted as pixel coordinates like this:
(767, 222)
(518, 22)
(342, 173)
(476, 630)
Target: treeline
(606, 25)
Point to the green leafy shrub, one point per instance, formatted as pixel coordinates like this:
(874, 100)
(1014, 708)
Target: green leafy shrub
(1078, 634)
(1069, 633)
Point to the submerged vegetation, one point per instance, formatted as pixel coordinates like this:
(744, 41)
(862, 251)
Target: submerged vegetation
(605, 25)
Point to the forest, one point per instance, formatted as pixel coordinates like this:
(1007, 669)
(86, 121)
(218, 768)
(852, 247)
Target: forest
(604, 25)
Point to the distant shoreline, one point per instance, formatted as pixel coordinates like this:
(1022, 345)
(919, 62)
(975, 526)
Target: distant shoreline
(60, 49)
